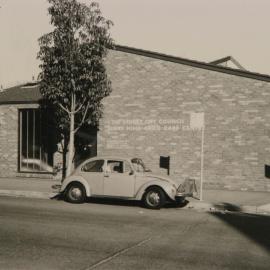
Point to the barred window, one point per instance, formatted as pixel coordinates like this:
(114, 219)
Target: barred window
(34, 142)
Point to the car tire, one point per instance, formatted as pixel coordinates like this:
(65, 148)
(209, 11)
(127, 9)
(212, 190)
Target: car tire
(154, 198)
(75, 193)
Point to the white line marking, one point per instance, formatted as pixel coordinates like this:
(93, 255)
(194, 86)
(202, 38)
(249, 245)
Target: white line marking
(117, 254)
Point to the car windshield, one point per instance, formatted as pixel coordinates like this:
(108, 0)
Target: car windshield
(139, 166)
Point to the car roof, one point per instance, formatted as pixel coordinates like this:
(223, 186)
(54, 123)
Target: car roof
(110, 157)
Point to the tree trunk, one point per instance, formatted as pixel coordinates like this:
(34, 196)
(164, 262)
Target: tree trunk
(71, 147)
(64, 157)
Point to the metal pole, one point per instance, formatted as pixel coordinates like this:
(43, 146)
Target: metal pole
(27, 139)
(168, 165)
(202, 160)
(21, 142)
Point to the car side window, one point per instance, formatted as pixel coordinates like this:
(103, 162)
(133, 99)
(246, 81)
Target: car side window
(115, 166)
(127, 167)
(93, 166)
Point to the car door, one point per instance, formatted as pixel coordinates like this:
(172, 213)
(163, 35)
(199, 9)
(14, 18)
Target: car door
(119, 179)
(93, 173)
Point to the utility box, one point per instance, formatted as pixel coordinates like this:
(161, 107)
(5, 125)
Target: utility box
(267, 171)
(164, 163)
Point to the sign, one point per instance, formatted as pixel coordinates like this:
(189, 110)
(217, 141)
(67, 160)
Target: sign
(197, 120)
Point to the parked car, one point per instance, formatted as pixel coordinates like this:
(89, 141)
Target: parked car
(125, 178)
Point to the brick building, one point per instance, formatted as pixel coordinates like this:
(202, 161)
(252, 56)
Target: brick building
(148, 115)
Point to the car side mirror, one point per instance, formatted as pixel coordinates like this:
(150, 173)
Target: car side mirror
(131, 172)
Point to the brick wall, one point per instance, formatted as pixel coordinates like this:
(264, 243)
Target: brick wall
(8, 140)
(149, 93)
(148, 113)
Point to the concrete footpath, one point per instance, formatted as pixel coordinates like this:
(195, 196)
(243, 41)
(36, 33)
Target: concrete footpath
(213, 200)
(235, 201)
(28, 187)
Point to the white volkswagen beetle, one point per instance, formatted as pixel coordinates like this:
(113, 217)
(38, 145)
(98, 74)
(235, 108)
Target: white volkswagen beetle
(125, 178)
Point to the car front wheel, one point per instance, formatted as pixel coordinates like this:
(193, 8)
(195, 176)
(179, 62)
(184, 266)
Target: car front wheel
(75, 193)
(154, 198)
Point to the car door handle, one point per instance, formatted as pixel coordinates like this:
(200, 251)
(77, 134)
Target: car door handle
(106, 175)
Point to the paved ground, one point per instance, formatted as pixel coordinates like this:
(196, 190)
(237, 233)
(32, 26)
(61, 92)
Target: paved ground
(51, 234)
(243, 201)
(27, 184)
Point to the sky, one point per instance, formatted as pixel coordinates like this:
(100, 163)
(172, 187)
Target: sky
(203, 30)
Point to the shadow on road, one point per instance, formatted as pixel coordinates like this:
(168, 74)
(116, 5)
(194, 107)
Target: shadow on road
(228, 206)
(57, 196)
(106, 201)
(255, 227)
(130, 203)
(176, 204)
(109, 201)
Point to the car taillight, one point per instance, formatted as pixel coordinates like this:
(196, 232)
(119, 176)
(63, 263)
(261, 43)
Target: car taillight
(180, 188)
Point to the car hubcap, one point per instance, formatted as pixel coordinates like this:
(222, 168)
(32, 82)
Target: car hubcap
(75, 193)
(153, 198)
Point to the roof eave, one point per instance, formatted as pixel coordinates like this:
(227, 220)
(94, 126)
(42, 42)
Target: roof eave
(19, 102)
(193, 63)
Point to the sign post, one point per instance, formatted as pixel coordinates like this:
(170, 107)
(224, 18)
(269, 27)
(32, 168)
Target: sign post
(202, 160)
(197, 123)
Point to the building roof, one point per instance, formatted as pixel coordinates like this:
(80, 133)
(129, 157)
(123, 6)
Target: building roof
(30, 94)
(21, 94)
(193, 63)
(224, 61)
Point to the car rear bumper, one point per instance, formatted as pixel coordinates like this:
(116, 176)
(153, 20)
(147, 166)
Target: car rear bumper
(187, 189)
(182, 195)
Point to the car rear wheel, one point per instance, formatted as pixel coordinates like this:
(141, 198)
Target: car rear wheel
(154, 198)
(75, 193)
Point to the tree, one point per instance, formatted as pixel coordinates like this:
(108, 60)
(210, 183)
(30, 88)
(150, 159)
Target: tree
(73, 75)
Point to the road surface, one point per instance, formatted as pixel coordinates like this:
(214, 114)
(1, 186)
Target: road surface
(52, 234)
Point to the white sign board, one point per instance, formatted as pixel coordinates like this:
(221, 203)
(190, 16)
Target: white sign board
(197, 120)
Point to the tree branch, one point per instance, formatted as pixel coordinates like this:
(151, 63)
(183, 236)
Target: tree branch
(83, 119)
(63, 108)
(80, 107)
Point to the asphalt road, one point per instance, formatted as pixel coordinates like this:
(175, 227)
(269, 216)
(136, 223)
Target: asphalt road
(51, 234)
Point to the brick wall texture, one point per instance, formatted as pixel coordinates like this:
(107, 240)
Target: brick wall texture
(148, 115)
(8, 140)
